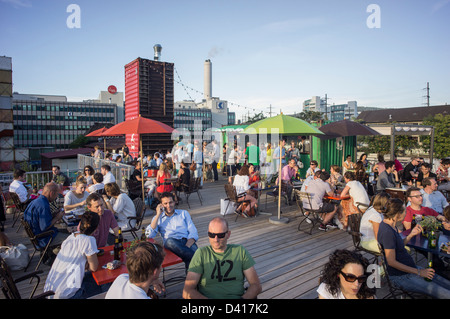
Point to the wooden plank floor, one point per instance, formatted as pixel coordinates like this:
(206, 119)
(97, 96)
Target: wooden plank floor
(288, 262)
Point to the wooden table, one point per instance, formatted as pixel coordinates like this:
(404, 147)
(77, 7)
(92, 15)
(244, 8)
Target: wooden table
(259, 190)
(103, 276)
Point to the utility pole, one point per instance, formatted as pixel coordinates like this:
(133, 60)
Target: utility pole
(428, 93)
(270, 110)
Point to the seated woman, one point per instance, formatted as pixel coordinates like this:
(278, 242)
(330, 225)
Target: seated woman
(403, 271)
(253, 179)
(370, 221)
(344, 277)
(120, 204)
(360, 173)
(357, 193)
(241, 183)
(335, 176)
(76, 198)
(184, 178)
(163, 186)
(88, 173)
(67, 277)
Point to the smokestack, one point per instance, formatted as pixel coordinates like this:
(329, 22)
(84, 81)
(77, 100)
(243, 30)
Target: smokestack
(157, 48)
(208, 80)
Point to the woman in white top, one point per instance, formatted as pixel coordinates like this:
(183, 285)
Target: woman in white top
(344, 277)
(67, 277)
(370, 221)
(121, 205)
(76, 198)
(241, 183)
(348, 164)
(357, 193)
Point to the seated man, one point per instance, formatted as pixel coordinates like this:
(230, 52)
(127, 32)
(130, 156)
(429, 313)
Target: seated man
(318, 188)
(58, 177)
(411, 170)
(108, 177)
(17, 187)
(39, 216)
(98, 186)
(388, 178)
(415, 197)
(287, 174)
(107, 222)
(144, 262)
(176, 228)
(432, 197)
(218, 271)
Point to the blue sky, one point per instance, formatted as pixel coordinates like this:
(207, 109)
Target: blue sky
(263, 52)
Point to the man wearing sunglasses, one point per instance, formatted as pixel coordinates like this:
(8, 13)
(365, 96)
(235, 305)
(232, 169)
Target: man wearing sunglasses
(218, 271)
(176, 228)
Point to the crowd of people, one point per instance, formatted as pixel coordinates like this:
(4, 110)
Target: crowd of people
(220, 269)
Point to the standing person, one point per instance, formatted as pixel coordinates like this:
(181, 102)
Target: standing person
(294, 152)
(198, 160)
(176, 227)
(218, 271)
(67, 277)
(17, 187)
(401, 267)
(388, 178)
(76, 198)
(231, 162)
(252, 155)
(344, 277)
(279, 153)
(144, 262)
(59, 177)
(121, 205)
(215, 159)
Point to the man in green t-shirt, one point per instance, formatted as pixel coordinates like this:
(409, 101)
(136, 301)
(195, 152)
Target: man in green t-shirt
(218, 271)
(252, 153)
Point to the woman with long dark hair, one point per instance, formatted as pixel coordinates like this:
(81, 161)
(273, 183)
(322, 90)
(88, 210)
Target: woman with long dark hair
(344, 277)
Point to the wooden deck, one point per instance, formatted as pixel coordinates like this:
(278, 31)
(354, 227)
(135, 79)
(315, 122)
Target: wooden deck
(288, 262)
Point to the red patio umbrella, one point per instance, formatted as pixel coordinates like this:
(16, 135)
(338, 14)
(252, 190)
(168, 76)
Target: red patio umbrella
(139, 125)
(101, 133)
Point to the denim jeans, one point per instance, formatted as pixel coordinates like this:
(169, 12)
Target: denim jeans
(179, 248)
(90, 288)
(438, 288)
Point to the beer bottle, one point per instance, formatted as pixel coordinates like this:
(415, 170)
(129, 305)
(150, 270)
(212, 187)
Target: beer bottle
(143, 237)
(413, 222)
(116, 249)
(430, 265)
(432, 240)
(120, 238)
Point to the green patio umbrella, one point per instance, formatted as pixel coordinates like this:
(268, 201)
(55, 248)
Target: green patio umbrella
(283, 125)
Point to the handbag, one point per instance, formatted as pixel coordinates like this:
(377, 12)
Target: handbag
(223, 207)
(16, 257)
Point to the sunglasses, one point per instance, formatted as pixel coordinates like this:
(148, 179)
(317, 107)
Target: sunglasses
(219, 235)
(312, 164)
(353, 278)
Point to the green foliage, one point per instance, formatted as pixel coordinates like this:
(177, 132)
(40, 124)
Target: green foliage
(309, 116)
(441, 125)
(80, 141)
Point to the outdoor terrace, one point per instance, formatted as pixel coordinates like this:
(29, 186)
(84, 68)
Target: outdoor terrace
(288, 262)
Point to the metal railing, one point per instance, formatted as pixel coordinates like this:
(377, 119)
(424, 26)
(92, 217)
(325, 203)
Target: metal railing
(120, 171)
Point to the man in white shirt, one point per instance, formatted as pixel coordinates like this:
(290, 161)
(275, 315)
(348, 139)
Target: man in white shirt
(108, 177)
(98, 185)
(17, 186)
(144, 262)
(432, 197)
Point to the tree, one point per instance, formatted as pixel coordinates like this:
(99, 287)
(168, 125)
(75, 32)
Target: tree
(441, 125)
(80, 141)
(255, 118)
(310, 116)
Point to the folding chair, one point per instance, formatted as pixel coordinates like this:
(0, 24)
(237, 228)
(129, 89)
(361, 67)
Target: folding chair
(193, 187)
(19, 208)
(354, 222)
(274, 193)
(233, 197)
(9, 287)
(34, 239)
(140, 213)
(312, 216)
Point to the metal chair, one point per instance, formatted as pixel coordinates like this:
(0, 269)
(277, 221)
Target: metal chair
(274, 193)
(312, 216)
(9, 287)
(354, 222)
(193, 187)
(34, 239)
(19, 208)
(233, 197)
(134, 189)
(140, 213)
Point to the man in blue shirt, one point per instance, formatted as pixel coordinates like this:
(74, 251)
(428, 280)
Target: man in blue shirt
(176, 228)
(432, 197)
(38, 215)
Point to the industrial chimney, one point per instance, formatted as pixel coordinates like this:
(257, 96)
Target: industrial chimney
(208, 80)
(157, 48)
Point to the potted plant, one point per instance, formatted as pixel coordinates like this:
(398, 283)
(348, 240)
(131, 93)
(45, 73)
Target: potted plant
(430, 223)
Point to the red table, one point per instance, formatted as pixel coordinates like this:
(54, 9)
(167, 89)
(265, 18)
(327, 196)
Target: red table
(104, 276)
